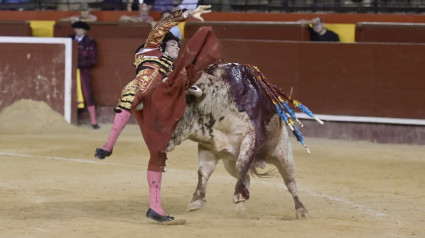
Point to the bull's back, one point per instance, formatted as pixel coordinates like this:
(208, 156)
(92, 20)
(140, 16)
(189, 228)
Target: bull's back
(247, 92)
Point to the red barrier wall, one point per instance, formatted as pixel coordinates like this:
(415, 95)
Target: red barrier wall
(360, 79)
(115, 44)
(15, 28)
(106, 29)
(390, 32)
(34, 71)
(379, 80)
(251, 30)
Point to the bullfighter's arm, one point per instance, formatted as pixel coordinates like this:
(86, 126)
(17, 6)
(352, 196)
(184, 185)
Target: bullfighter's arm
(158, 33)
(160, 30)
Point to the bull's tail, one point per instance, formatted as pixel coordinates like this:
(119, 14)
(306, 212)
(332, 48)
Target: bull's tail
(282, 100)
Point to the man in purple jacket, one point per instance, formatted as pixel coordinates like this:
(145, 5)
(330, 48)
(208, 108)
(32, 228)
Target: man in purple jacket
(86, 60)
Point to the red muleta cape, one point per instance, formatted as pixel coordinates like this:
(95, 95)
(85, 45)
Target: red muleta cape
(163, 109)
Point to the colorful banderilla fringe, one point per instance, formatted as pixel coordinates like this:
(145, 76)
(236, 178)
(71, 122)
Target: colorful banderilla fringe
(281, 100)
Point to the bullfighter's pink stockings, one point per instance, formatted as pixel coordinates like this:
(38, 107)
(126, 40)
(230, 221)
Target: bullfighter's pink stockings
(92, 113)
(120, 121)
(154, 180)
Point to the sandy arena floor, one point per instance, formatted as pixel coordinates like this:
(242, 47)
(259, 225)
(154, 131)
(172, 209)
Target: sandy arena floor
(52, 186)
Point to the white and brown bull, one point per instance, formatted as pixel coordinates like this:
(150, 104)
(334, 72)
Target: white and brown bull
(233, 119)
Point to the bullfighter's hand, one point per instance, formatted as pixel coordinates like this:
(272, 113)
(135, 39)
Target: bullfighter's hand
(200, 10)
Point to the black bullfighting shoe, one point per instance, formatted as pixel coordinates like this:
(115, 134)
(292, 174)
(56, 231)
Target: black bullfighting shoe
(95, 126)
(157, 217)
(101, 153)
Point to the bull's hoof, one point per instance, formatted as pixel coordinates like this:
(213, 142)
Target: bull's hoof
(238, 198)
(195, 205)
(240, 209)
(301, 213)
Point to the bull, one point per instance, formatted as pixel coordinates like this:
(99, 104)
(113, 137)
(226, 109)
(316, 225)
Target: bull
(231, 118)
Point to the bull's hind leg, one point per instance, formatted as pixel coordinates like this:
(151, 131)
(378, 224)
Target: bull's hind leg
(284, 161)
(230, 166)
(243, 163)
(207, 164)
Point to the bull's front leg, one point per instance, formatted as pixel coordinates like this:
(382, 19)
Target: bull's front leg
(207, 164)
(243, 163)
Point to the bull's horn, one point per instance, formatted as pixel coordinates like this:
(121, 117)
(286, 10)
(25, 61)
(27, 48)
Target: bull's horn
(195, 91)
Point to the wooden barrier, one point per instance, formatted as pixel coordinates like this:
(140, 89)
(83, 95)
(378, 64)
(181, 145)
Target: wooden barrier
(107, 29)
(39, 69)
(390, 32)
(15, 28)
(365, 79)
(116, 43)
(358, 79)
(252, 30)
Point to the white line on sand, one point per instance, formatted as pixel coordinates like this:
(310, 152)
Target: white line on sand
(321, 195)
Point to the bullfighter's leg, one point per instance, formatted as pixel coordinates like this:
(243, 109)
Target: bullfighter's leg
(284, 161)
(243, 163)
(122, 115)
(207, 164)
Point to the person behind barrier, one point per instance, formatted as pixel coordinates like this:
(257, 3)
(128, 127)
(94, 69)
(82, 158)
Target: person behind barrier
(318, 32)
(84, 15)
(133, 5)
(142, 16)
(153, 62)
(86, 60)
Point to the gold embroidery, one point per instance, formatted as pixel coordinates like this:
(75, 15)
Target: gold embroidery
(163, 64)
(145, 78)
(142, 83)
(138, 59)
(156, 36)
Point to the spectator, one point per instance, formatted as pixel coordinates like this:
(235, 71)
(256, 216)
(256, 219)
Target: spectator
(84, 15)
(108, 5)
(15, 7)
(133, 5)
(86, 60)
(143, 15)
(175, 29)
(318, 32)
(15, 1)
(162, 5)
(188, 4)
